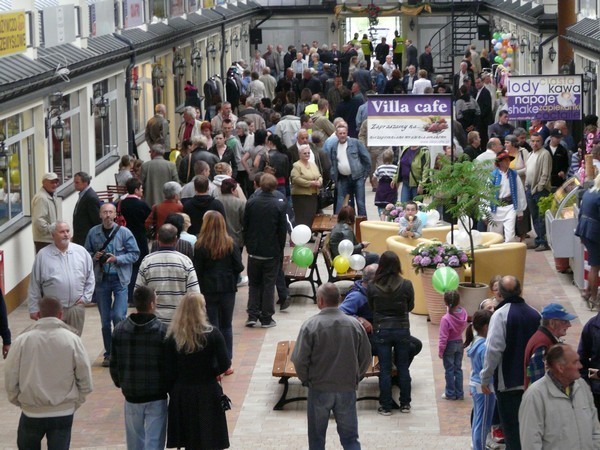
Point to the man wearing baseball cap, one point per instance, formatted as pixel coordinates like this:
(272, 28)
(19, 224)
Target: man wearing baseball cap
(44, 211)
(555, 323)
(511, 197)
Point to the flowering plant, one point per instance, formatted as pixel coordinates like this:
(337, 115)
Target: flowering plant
(433, 255)
(393, 212)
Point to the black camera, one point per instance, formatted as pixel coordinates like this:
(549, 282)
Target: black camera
(104, 258)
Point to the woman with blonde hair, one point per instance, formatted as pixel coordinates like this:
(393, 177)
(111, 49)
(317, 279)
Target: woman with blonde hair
(218, 263)
(195, 355)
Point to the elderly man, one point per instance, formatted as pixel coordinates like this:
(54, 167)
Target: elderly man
(157, 128)
(44, 211)
(409, 80)
(47, 375)
(269, 83)
(87, 209)
(330, 370)
(555, 323)
(558, 411)
(189, 128)
(63, 270)
(288, 126)
(170, 273)
(511, 327)
(114, 250)
(155, 173)
(388, 66)
(350, 166)
(511, 197)
(258, 63)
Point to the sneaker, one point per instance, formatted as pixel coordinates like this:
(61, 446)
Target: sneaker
(250, 322)
(285, 304)
(405, 408)
(445, 397)
(106, 361)
(532, 246)
(270, 324)
(542, 248)
(384, 411)
(243, 281)
(497, 434)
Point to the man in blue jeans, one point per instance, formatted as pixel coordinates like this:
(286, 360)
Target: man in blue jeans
(330, 370)
(350, 166)
(114, 250)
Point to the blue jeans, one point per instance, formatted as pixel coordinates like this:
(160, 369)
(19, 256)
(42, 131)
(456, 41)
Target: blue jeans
(483, 411)
(508, 410)
(319, 406)
(539, 223)
(407, 193)
(219, 308)
(453, 369)
(32, 430)
(346, 185)
(398, 340)
(146, 425)
(110, 311)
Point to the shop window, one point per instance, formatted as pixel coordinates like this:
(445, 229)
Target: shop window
(105, 118)
(65, 153)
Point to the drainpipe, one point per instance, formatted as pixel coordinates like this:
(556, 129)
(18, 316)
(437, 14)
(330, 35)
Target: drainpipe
(131, 147)
(222, 44)
(541, 51)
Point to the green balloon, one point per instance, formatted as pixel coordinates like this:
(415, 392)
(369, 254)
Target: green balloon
(499, 59)
(302, 256)
(497, 35)
(445, 279)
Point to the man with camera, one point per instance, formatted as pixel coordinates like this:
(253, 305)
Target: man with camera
(63, 270)
(114, 250)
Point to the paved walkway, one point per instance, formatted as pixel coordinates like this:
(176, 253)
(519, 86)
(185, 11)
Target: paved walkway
(253, 424)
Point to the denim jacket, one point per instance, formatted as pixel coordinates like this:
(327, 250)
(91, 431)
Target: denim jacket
(358, 157)
(125, 249)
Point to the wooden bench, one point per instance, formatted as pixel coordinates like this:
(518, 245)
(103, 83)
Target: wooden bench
(293, 273)
(284, 369)
(350, 275)
(112, 193)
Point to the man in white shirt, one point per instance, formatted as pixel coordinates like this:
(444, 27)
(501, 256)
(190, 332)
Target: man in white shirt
(388, 66)
(494, 146)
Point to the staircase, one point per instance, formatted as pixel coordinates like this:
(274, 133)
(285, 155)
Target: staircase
(451, 41)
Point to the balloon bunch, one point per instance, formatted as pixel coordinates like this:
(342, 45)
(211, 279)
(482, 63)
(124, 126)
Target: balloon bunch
(346, 260)
(504, 51)
(302, 256)
(445, 279)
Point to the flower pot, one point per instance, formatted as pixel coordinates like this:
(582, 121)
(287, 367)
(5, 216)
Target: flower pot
(436, 308)
(472, 296)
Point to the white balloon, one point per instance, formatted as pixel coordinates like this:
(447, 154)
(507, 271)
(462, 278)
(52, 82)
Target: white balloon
(357, 262)
(467, 220)
(301, 234)
(477, 238)
(433, 217)
(449, 237)
(461, 239)
(346, 248)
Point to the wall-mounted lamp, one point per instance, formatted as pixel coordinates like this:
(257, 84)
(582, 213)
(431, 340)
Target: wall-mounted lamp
(179, 65)
(245, 35)
(411, 25)
(196, 56)
(534, 52)
(158, 76)
(136, 91)
(2, 144)
(524, 44)
(513, 41)
(589, 78)
(552, 53)
(226, 47)
(212, 50)
(98, 103)
(332, 27)
(565, 69)
(55, 109)
(235, 40)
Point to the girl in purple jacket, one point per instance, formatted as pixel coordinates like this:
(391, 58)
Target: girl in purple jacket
(450, 347)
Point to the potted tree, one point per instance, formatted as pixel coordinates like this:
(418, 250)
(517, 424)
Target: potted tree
(464, 190)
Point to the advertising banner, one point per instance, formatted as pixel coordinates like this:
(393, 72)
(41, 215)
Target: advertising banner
(544, 97)
(102, 16)
(13, 37)
(409, 120)
(133, 13)
(59, 25)
(177, 8)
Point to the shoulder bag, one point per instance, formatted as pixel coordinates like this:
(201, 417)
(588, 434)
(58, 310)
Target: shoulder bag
(120, 219)
(326, 194)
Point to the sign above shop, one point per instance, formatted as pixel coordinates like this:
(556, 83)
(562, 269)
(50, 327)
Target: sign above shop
(133, 13)
(13, 38)
(102, 16)
(544, 97)
(409, 120)
(59, 25)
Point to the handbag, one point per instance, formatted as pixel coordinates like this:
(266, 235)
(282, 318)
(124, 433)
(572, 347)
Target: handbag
(120, 219)
(151, 230)
(326, 195)
(252, 170)
(268, 167)
(225, 400)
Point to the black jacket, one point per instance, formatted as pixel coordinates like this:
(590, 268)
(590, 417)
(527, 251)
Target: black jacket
(279, 161)
(484, 100)
(391, 302)
(228, 157)
(381, 51)
(137, 358)
(217, 275)
(136, 212)
(265, 225)
(200, 154)
(426, 63)
(340, 232)
(4, 330)
(560, 163)
(86, 216)
(311, 83)
(197, 206)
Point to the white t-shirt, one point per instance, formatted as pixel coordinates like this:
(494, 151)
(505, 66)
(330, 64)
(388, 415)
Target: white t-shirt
(342, 159)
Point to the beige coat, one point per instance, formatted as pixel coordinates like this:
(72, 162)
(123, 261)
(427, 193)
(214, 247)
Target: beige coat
(44, 211)
(302, 176)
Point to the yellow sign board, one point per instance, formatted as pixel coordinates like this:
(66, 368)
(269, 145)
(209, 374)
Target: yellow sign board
(13, 37)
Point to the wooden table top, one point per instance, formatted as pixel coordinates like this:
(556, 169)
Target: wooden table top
(324, 222)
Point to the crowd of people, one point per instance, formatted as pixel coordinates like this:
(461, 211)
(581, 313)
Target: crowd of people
(254, 168)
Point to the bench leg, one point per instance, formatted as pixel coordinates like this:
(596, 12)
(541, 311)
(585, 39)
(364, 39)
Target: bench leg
(283, 400)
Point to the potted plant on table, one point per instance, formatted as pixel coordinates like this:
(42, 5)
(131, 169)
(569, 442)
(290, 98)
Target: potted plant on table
(427, 258)
(465, 191)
